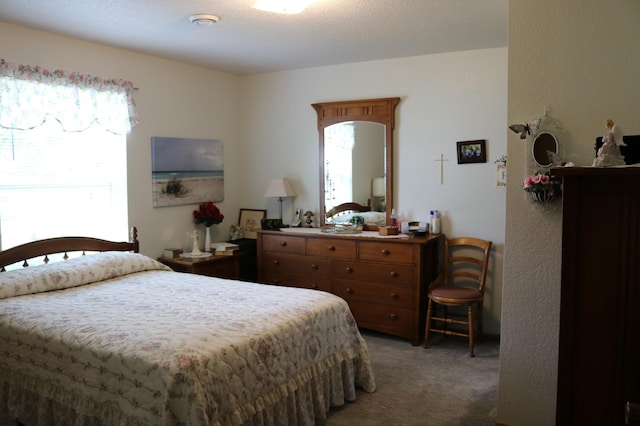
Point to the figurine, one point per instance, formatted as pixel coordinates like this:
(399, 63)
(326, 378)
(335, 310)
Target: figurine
(195, 237)
(236, 232)
(309, 219)
(609, 154)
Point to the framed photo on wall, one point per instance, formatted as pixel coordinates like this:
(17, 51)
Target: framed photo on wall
(472, 152)
(250, 220)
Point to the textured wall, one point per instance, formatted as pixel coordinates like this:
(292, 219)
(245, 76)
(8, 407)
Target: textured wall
(581, 59)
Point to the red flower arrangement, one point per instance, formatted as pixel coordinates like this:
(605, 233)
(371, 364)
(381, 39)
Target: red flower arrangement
(208, 214)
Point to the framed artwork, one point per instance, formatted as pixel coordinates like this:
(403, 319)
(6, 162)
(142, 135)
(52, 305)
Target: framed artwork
(186, 171)
(250, 220)
(472, 152)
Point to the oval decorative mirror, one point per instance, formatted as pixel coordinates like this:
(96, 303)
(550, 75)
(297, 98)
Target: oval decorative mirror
(356, 160)
(544, 144)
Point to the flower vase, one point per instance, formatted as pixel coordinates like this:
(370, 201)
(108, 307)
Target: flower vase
(207, 239)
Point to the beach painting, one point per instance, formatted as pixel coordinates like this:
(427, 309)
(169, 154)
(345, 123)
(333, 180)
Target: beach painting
(186, 171)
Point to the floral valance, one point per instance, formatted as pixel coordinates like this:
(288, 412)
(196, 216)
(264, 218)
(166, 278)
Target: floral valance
(29, 93)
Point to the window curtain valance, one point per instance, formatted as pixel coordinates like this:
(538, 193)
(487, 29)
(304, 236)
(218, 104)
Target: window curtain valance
(29, 93)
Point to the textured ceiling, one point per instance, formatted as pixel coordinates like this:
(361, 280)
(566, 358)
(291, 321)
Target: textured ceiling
(248, 41)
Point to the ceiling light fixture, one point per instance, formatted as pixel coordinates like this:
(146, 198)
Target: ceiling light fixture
(290, 7)
(204, 19)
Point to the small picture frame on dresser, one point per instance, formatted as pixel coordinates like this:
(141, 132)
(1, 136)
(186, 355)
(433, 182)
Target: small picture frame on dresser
(251, 220)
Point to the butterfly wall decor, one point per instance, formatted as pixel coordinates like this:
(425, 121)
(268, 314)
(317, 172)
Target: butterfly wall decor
(526, 129)
(523, 129)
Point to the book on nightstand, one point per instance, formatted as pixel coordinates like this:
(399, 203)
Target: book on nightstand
(224, 249)
(171, 253)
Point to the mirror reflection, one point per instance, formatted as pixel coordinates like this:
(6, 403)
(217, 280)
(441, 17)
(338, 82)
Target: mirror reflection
(354, 166)
(545, 146)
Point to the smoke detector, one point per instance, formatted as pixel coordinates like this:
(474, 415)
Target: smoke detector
(204, 19)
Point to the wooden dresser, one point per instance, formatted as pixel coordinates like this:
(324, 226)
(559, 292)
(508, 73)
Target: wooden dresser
(384, 280)
(599, 348)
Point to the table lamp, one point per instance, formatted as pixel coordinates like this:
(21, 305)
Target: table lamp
(280, 188)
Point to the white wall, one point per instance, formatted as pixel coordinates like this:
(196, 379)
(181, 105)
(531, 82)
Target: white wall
(444, 99)
(581, 59)
(174, 99)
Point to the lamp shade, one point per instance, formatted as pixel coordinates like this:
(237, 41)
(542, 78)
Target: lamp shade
(280, 187)
(378, 187)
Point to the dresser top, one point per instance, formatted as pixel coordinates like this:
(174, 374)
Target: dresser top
(364, 235)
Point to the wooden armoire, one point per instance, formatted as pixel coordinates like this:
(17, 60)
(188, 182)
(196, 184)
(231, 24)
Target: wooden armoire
(599, 347)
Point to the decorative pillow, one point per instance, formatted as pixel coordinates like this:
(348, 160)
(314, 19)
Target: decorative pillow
(74, 272)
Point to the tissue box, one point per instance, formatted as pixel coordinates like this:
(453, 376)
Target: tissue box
(388, 230)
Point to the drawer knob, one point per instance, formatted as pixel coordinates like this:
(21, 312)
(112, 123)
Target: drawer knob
(314, 286)
(314, 266)
(393, 316)
(348, 269)
(394, 296)
(283, 243)
(331, 248)
(394, 274)
(386, 252)
(276, 262)
(348, 290)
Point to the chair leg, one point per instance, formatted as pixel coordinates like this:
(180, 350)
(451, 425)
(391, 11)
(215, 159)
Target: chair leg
(428, 324)
(470, 317)
(480, 321)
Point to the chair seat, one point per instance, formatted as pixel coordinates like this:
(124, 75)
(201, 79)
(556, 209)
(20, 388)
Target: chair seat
(455, 295)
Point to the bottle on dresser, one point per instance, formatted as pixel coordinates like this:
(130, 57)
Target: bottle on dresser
(434, 222)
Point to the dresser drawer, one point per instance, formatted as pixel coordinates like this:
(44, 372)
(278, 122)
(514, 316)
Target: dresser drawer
(333, 248)
(296, 264)
(374, 293)
(283, 244)
(373, 272)
(382, 317)
(386, 252)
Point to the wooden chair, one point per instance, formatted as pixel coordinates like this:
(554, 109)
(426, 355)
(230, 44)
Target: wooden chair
(461, 283)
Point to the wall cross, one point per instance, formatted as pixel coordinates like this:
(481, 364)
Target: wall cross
(442, 160)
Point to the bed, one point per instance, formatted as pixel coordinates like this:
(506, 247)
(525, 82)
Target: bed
(114, 337)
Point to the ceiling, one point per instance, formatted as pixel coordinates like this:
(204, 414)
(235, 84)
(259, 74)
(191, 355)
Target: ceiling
(249, 41)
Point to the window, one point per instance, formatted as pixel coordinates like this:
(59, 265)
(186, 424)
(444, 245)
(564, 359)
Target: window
(55, 183)
(63, 168)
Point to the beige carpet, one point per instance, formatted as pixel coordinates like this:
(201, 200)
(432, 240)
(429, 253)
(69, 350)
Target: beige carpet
(439, 386)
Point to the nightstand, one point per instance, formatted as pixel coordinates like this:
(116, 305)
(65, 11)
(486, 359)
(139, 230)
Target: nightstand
(214, 266)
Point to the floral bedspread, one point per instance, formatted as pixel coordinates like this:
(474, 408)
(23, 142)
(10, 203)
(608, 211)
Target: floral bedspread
(117, 338)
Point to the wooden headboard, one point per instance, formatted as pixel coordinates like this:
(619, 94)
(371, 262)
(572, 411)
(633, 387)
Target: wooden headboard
(346, 207)
(64, 245)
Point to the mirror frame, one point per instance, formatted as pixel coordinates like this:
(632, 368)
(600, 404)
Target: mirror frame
(380, 110)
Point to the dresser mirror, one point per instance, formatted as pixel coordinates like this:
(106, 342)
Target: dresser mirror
(356, 160)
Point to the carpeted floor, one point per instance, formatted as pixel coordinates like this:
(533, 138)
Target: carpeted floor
(439, 386)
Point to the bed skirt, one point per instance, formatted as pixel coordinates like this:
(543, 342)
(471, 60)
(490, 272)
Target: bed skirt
(305, 400)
